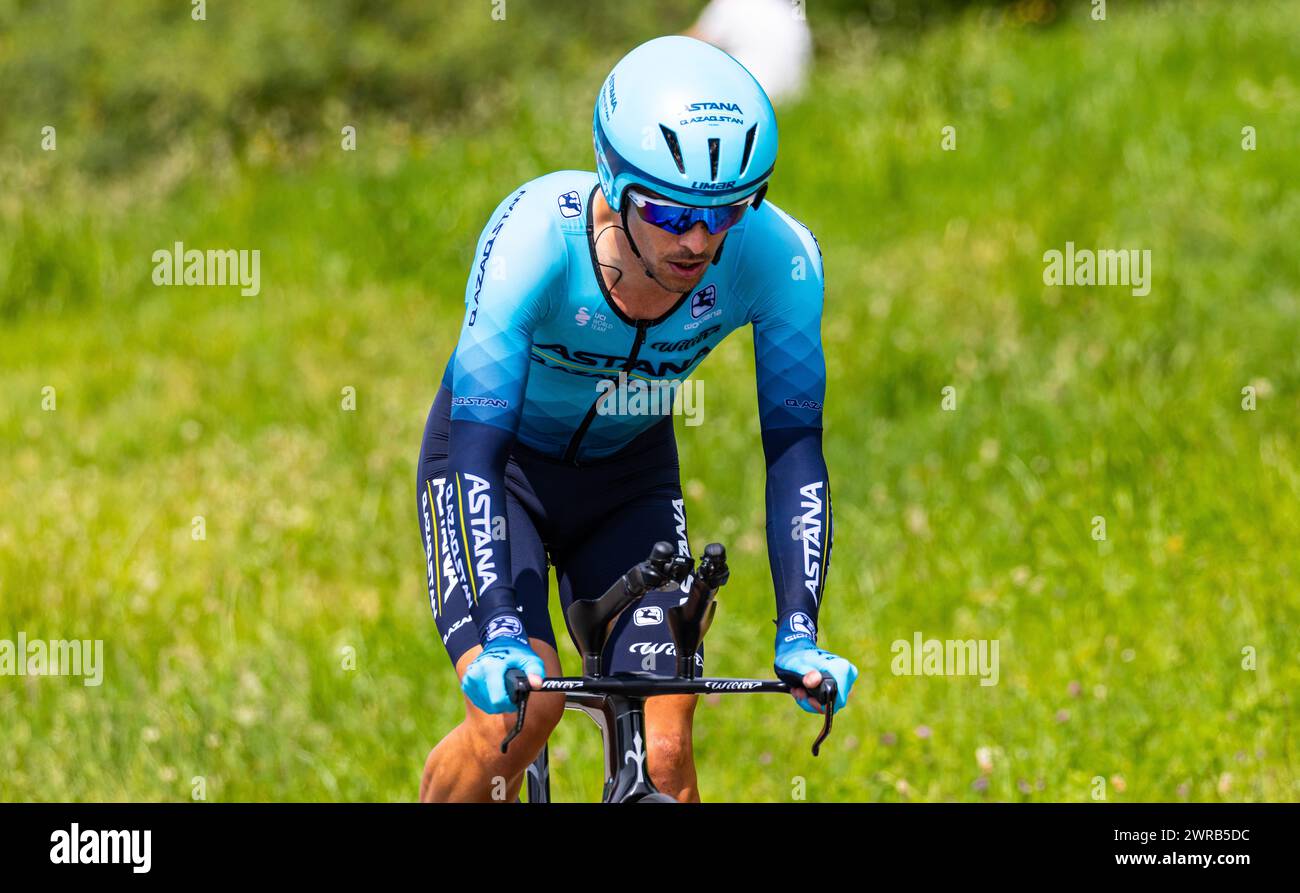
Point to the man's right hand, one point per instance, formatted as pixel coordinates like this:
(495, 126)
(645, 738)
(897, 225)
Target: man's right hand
(485, 679)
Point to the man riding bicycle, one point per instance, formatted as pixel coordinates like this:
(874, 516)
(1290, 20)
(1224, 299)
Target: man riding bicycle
(580, 280)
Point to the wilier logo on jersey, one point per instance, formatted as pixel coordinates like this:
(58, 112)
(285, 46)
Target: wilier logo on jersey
(810, 528)
(704, 301)
(570, 204)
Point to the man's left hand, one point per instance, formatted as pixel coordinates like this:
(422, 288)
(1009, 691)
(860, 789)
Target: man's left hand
(802, 664)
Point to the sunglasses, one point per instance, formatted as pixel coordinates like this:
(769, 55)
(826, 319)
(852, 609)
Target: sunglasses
(677, 219)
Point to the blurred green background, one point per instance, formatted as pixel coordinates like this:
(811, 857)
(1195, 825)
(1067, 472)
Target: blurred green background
(1119, 659)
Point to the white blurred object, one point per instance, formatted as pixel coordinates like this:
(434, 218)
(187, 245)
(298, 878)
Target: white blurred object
(769, 37)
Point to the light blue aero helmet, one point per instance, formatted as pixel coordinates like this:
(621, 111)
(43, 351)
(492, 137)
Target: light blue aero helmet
(680, 117)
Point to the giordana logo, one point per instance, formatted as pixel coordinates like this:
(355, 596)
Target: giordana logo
(506, 625)
(802, 623)
(582, 317)
(703, 301)
(77, 847)
(648, 616)
(717, 311)
(570, 204)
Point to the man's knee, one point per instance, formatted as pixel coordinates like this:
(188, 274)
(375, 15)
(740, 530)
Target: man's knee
(543, 713)
(490, 729)
(669, 751)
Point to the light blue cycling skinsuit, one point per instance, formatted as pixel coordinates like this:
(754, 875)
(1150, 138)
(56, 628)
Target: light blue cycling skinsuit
(541, 334)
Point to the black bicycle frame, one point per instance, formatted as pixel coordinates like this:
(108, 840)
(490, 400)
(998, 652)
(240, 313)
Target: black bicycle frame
(617, 702)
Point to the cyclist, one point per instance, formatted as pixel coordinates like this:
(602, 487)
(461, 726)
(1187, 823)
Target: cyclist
(623, 278)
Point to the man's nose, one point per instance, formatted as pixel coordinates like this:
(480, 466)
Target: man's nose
(695, 239)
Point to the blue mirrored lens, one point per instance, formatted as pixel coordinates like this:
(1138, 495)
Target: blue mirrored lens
(679, 220)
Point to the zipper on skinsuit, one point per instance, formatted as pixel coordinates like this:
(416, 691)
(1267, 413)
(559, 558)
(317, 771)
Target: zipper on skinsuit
(571, 453)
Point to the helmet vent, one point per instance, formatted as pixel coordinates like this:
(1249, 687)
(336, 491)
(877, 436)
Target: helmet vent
(749, 147)
(673, 146)
(713, 159)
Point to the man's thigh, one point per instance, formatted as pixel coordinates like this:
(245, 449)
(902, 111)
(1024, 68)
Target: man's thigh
(640, 641)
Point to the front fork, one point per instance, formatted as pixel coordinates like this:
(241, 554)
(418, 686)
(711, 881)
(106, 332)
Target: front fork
(621, 718)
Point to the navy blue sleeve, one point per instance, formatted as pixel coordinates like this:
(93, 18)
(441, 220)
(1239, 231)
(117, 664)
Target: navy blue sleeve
(791, 377)
(474, 497)
(520, 261)
(799, 524)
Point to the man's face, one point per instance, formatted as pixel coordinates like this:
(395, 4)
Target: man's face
(677, 261)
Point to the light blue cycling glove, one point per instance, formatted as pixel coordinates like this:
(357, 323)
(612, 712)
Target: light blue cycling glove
(797, 653)
(506, 647)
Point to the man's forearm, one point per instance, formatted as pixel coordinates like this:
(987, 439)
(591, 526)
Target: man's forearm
(476, 502)
(799, 524)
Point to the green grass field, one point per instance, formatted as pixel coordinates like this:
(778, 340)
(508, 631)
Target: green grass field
(1120, 659)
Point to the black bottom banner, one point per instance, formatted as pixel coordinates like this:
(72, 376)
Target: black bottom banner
(337, 841)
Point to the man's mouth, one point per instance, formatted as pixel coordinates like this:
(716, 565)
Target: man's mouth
(686, 268)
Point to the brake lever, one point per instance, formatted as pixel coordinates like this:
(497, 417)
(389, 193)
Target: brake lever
(518, 687)
(826, 694)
